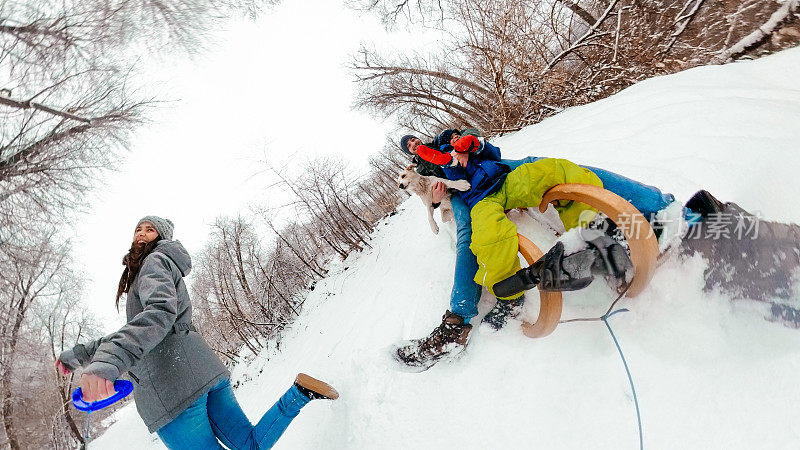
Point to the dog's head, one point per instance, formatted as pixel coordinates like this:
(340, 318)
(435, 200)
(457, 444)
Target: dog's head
(407, 176)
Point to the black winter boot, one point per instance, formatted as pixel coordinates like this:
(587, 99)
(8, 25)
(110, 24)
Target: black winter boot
(445, 341)
(502, 311)
(556, 271)
(703, 203)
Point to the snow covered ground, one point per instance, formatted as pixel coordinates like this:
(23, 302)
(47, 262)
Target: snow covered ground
(709, 372)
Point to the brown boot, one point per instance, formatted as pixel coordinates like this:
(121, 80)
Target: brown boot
(445, 341)
(314, 388)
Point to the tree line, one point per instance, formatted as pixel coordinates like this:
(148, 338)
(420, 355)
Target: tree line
(250, 286)
(68, 104)
(505, 64)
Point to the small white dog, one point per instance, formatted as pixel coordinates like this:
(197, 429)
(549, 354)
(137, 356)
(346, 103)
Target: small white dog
(412, 181)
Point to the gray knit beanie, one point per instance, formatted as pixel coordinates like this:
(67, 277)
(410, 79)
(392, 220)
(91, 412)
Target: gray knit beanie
(163, 226)
(404, 143)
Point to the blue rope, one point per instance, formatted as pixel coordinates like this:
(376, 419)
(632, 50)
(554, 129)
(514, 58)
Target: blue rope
(630, 379)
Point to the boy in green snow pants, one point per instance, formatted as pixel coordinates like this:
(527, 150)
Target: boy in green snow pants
(494, 236)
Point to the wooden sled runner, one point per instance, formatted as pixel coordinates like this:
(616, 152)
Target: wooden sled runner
(550, 302)
(637, 231)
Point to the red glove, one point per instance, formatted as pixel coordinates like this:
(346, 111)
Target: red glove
(62, 369)
(433, 156)
(467, 144)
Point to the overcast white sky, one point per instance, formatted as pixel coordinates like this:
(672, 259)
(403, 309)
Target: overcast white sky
(274, 90)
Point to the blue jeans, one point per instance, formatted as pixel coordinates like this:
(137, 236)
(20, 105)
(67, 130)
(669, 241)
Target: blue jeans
(217, 417)
(647, 199)
(466, 293)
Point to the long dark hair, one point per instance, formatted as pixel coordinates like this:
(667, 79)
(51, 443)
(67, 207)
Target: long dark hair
(133, 263)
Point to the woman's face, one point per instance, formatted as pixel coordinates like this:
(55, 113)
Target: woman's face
(454, 138)
(412, 145)
(145, 233)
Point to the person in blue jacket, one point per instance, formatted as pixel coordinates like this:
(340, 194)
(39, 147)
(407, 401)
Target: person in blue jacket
(465, 294)
(488, 168)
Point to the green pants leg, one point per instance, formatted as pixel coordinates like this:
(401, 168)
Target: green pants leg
(494, 237)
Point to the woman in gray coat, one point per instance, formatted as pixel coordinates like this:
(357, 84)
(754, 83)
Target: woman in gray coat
(181, 388)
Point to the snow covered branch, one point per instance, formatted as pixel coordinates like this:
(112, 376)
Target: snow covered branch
(760, 33)
(580, 42)
(684, 20)
(21, 104)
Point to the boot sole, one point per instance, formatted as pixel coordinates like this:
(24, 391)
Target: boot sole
(318, 386)
(417, 366)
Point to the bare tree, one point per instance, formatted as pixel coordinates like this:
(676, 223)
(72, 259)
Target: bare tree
(62, 321)
(47, 162)
(322, 192)
(236, 288)
(392, 12)
(31, 268)
(484, 76)
(68, 103)
(245, 295)
(509, 63)
(781, 15)
(63, 112)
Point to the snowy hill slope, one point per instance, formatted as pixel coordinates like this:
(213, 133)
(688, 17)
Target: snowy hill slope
(709, 373)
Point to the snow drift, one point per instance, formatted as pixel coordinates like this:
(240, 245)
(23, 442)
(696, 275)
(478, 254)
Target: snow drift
(709, 372)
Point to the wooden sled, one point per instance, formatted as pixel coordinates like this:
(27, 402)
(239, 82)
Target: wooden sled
(550, 302)
(642, 243)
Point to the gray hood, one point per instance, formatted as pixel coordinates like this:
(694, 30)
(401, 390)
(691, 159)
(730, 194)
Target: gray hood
(175, 251)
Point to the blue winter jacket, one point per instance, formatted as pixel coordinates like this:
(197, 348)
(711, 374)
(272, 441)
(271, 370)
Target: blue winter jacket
(484, 172)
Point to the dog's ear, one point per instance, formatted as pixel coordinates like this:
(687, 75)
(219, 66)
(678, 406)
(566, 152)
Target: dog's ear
(411, 166)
